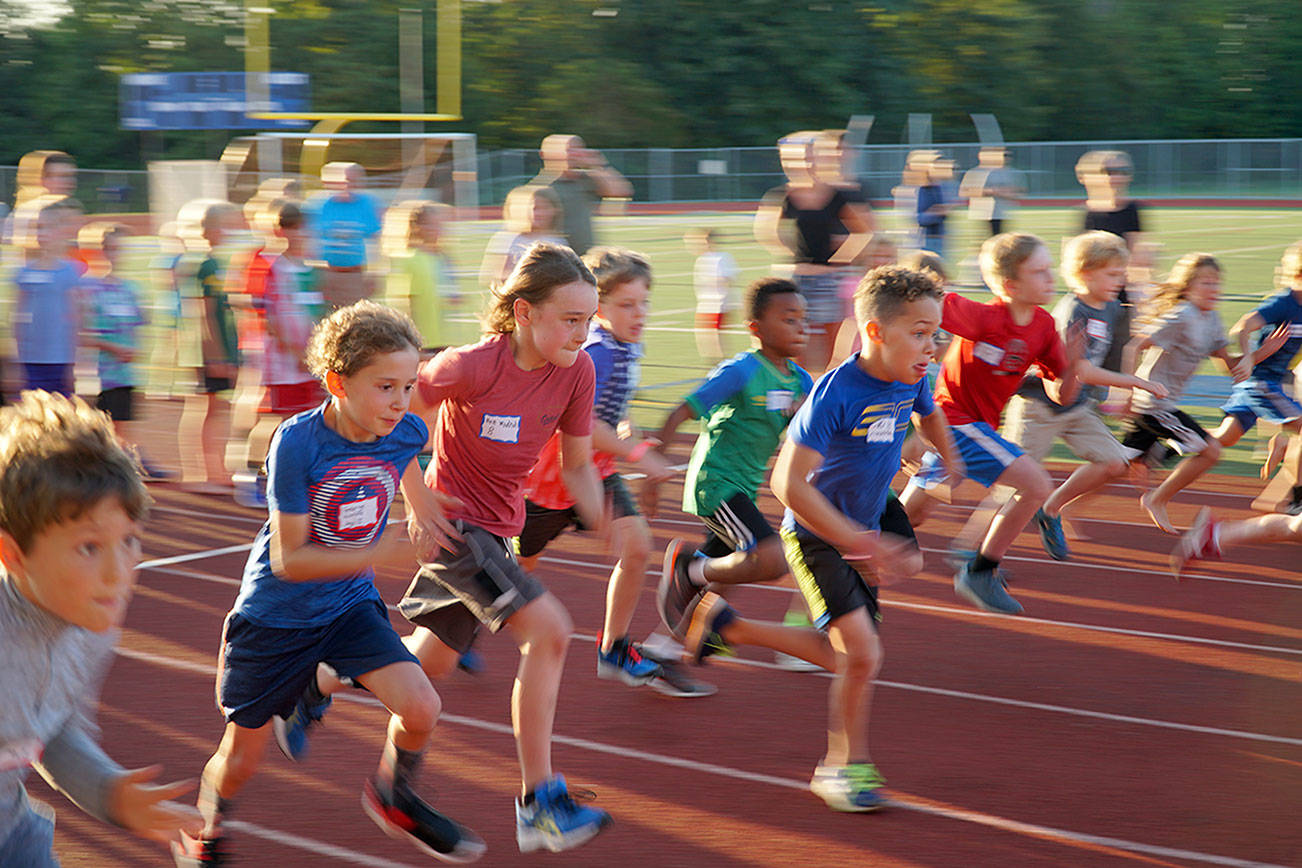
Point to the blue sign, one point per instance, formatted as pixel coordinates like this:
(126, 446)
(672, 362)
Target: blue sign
(207, 101)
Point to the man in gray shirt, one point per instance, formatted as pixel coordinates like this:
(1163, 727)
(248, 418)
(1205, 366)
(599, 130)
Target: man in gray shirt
(580, 177)
(992, 188)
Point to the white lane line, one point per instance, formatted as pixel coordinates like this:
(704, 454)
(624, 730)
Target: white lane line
(319, 848)
(194, 556)
(901, 800)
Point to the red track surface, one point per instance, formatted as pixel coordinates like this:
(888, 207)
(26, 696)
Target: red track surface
(1107, 762)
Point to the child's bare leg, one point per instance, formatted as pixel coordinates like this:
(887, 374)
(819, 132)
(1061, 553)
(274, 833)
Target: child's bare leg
(1275, 527)
(437, 659)
(976, 527)
(542, 630)
(807, 643)
(190, 432)
(763, 563)
(216, 425)
(413, 704)
(708, 343)
(917, 503)
(1033, 487)
(1189, 469)
(1084, 480)
(627, 579)
(858, 657)
(260, 438)
(237, 758)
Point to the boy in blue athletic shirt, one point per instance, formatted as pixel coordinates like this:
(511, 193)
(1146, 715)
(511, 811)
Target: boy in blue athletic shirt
(843, 533)
(308, 595)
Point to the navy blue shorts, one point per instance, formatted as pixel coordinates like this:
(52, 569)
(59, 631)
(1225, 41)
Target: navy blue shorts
(51, 378)
(1255, 399)
(263, 670)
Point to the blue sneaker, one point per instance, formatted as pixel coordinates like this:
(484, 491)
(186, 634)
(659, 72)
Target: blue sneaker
(624, 662)
(986, 590)
(854, 787)
(554, 821)
(291, 732)
(1055, 541)
(471, 662)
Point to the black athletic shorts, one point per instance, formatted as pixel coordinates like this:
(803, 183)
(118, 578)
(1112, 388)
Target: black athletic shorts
(1161, 434)
(736, 525)
(542, 525)
(119, 403)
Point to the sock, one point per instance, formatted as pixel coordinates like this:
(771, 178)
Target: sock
(398, 769)
(313, 693)
(981, 563)
(212, 807)
(696, 571)
(1297, 494)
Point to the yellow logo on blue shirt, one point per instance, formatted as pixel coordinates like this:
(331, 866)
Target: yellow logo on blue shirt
(880, 422)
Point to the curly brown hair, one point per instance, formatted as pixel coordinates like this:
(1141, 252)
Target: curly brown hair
(885, 290)
(59, 458)
(348, 339)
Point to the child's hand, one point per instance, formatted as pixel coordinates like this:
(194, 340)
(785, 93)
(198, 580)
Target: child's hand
(431, 532)
(1243, 370)
(1157, 390)
(147, 811)
(1075, 342)
(124, 354)
(1277, 338)
(650, 499)
(654, 465)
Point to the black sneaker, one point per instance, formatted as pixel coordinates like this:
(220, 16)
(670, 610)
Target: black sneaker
(675, 594)
(673, 680)
(702, 639)
(408, 818)
(197, 852)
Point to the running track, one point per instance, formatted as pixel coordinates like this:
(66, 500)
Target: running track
(1125, 719)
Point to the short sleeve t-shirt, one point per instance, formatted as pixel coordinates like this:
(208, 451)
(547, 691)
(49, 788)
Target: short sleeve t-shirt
(344, 227)
(1100, 329)
(213, 292)
(294, 305)
(745, 405)
(345, 488)
(1182, 338)
(45, 318)
(989, 356)
(116, 317)
(713, 276)
(1279, 308)
(1123, 221)
(858, 424)
(493, 420)
(815, 227)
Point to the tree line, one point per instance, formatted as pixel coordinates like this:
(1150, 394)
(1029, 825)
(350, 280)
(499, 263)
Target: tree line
(687, 73)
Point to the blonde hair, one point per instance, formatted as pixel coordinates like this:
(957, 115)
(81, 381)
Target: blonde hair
(541, 271)
(402, 223)
(517, 210)
(27, 216)
(1173, 290)
(1290, 266)
(1001, 256)
(59, 458)
(32, 167)
(93, 235)
(615, 266)
(1089, 251)
(348, 339)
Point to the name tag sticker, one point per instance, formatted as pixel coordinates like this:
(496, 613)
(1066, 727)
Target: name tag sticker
(503, 429)
(1295, 330)
(881, 431)
(121, 311)
(1097, 329)
(311, 298)
(777, 399)
(359, 513)
(989, 353)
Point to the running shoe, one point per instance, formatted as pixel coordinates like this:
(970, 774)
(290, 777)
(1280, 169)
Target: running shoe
(1199, 543)
(408, 818)
(856, 787)
(624, 662)
(291, 732)
(676, 592)
(986, 589)
(1055, 541)
(192, 852)
(554, 821)
(707, 617)
(471, 662)
(673, 680)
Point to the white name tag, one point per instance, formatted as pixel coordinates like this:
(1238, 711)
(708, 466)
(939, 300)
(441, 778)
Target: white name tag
(359, 513)
(881, 431)
(1097, 329)
(503, 429)
(777, 399)
(310, 298)
(1295, 330)
(121, 311)
(989, 353)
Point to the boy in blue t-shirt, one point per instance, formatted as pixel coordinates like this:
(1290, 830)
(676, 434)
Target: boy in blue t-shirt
(843, 532)
(308, 595)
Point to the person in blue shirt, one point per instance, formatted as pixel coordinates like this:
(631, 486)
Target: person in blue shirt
(308, 594)
(343, 222)
(1258, 392)
(844, 534)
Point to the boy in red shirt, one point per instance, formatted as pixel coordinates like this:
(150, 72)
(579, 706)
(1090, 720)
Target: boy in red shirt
(994, 345)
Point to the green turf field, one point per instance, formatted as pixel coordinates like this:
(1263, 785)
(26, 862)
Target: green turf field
(1248, 242)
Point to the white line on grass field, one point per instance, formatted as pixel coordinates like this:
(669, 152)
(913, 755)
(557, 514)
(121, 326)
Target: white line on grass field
(899, 799)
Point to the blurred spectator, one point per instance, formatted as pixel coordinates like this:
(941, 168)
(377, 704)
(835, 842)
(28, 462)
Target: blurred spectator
(210, 349)
(992, 188)
(714, 277)
(48, 313)
(934, 202)
(42, 173)
(1106, 177)
(803, 221)
(343, 220)
(420, 282)
(530, 214)
(580, 177)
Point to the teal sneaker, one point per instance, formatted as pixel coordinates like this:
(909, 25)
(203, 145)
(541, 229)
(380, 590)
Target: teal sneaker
(986, 590)
(856, 787)
(1051, 534)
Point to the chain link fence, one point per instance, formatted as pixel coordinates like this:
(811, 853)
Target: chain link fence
(1175, 168)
